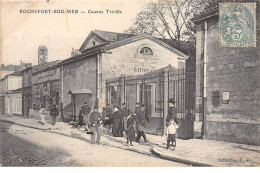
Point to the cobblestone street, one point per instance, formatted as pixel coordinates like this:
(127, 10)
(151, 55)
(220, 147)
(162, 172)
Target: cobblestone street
(22, 146)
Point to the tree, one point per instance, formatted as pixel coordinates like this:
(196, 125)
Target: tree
(169, 19)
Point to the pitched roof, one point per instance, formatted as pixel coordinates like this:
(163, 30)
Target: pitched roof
(105, 36)
(87, 52)
(139, 37)
(207, 14)
(112, 36)
(17, 73)
(184, 46)
(120, 40)
(38, 68)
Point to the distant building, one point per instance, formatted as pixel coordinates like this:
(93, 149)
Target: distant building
(11, 94)
(45, 85)
(8, 69)
(107, 55)
(27, 91)
(42, 55)
(40, 87)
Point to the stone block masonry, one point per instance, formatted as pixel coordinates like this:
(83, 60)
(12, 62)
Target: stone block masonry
(234, 71)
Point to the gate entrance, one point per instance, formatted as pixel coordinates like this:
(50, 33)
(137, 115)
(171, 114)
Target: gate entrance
(154, 89)
(182, 89)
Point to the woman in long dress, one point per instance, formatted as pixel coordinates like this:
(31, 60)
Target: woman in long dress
(117, 123)
(130, 130)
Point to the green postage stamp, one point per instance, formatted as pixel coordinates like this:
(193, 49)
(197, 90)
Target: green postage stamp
(237, 25)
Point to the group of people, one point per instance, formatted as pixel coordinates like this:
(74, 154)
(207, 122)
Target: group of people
(53, 113)
(130, 123)
(121, 120)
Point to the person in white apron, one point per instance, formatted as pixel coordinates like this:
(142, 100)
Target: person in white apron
(43, 113)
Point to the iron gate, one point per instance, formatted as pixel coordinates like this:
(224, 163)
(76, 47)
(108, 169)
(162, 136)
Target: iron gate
(154, 89)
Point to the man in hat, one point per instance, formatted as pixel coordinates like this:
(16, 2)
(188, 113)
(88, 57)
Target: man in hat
(172, 113)
(85, 111)
(54, 113)
(141, 120)
(96, 125)
(117, 123)
(137, 108)
(124, 113)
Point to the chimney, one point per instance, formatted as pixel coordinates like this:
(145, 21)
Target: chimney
(74, 52)
(42, 55)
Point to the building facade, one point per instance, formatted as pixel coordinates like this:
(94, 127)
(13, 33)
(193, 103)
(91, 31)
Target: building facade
(27, 91)
(45, 85)
(227, 85)
(107, 55)
(9, 69)
(11, 94)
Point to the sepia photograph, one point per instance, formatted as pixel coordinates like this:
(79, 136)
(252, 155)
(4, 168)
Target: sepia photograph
(129, 83)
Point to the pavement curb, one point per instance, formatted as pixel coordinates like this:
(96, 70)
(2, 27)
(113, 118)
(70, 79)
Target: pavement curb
(177, 159)
(103, 143)
(77, 137)
(153, 150)
(8, 121)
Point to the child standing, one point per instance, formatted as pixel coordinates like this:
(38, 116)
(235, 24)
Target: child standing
(130, 130)
(170, 132)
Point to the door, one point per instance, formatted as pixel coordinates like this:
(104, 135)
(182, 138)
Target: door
(146, 97)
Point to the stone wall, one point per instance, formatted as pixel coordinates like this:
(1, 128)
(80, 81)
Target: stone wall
(235, 71)
(27, 78)
(79, 75)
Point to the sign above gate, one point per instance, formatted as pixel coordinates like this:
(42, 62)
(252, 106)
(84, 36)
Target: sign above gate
(143, 70)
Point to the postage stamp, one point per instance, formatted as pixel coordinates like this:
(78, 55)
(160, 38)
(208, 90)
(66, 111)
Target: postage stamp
(237, 25)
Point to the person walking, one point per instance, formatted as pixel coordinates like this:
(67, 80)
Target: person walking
(125, 113)
(130, 130)
(43, 113)
(96, 125)
(141, 121)
(117, 123)
(54, 113)
(172, 113)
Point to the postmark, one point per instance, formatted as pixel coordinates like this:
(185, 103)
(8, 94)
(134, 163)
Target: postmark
(237, 25)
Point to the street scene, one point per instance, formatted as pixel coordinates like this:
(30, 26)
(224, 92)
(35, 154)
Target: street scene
(41, 148)
(176, 84)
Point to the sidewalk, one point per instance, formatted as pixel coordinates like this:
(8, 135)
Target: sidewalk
(196, 152)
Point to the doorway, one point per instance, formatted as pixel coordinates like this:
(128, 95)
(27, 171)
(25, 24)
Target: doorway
(146, 97)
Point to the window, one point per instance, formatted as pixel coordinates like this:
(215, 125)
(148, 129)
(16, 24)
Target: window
(146, 51)
(115, 98)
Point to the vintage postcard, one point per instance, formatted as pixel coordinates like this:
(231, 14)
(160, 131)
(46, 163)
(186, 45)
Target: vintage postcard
(129, 83)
